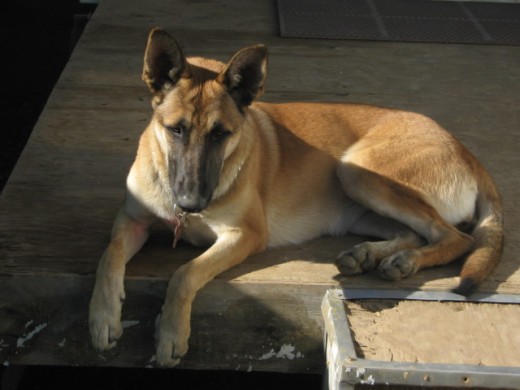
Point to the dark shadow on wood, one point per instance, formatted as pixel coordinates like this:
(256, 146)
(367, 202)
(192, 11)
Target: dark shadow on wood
(267, 328)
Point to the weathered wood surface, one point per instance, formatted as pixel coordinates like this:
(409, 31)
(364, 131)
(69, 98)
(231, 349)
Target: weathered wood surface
(58, 206)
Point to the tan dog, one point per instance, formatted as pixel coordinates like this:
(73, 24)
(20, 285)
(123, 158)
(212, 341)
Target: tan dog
(239, 177)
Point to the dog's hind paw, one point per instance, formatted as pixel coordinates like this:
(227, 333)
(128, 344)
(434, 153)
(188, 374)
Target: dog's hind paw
(398, 266)
(356, 260)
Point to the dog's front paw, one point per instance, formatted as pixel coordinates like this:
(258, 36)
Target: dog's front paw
(172, 342)
(105, 321)
(356, 260)
(398, 266)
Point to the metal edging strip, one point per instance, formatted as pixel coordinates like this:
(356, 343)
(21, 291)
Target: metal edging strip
(419, 295)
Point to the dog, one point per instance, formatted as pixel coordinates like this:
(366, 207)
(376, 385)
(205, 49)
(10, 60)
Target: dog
(239, 176)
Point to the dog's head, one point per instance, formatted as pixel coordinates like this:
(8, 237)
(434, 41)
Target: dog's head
(200, 107)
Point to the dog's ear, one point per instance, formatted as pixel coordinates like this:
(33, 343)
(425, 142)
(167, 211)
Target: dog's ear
(164, 62)
(244, 76)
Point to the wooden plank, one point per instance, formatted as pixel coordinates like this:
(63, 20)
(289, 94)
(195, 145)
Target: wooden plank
(295, 67)
(56, 211)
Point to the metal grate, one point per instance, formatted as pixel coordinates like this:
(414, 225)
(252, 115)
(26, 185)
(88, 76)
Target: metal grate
(401, 20)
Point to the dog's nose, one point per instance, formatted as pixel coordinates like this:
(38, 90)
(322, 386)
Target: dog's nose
(192, 210)
(189, 205)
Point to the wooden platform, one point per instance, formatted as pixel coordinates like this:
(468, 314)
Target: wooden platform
(57, 208)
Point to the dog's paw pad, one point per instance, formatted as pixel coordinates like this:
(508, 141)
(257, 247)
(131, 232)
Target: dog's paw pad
(398, 266)
(357, 260)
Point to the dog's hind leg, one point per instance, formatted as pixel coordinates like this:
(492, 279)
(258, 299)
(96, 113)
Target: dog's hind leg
(396, 201)
(368, 255)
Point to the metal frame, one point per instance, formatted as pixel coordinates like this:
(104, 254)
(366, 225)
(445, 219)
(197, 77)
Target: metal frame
(346, 369)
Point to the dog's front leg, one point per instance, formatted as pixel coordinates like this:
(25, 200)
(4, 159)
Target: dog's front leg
(128, 236)
(173, 331)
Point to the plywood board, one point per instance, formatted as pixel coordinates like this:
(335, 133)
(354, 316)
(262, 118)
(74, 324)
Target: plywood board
(481, 334)
(420, 338)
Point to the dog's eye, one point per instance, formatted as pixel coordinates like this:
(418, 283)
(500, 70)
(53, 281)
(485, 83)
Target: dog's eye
(219, 132)
(176, 129)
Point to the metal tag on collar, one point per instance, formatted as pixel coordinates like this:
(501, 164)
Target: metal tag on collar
(180, 218)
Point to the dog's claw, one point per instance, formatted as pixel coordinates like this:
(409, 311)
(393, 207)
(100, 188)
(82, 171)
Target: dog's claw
(105, 320)
(169, 353)
(104, 335)
(171, 344)
(164, 355)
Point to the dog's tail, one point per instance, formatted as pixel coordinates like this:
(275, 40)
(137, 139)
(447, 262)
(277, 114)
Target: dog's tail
(488, 235)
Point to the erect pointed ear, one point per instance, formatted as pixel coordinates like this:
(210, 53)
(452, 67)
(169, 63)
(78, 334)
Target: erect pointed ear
(244, 76)
(164, 63)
